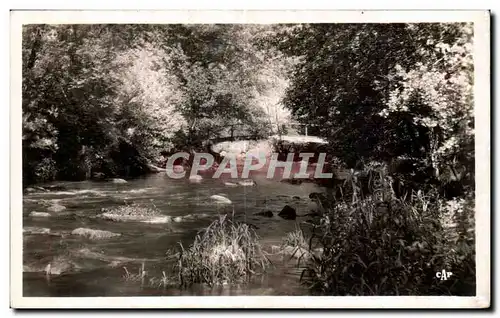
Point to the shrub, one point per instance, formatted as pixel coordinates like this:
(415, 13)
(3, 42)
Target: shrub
(45, 170)
(225, 252)
(382, 245)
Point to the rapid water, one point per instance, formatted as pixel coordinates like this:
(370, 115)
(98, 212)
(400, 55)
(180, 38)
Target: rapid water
(96, 267)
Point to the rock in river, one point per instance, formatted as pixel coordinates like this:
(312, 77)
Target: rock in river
(288, 213)
(56, 208)
(220, 199)
(39, 214)
(94, 234)
(247, 183)
(118, 180)
(195, 178)
(36, 230)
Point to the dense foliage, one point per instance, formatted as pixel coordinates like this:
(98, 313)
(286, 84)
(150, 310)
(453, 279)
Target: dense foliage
(395, 102)
(377, 244)
(106, 99)
(380, 92)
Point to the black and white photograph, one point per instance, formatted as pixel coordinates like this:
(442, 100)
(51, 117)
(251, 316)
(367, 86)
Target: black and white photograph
(250, 157)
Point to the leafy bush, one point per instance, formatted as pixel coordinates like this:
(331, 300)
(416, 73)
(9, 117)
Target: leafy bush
(382, 245)
(226, 252)
(45, 170)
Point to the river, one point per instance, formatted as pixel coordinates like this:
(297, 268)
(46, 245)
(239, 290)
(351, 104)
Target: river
(96, 267)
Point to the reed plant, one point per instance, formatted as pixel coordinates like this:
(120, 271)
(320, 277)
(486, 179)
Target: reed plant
(374, 243)
(226, 252)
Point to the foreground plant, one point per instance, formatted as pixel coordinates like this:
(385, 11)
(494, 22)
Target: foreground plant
(382, 245)
(295, 245)
(226, 252)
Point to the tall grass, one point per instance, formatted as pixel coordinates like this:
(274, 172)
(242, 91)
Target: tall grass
(374, 243)
(143, 277)
(295, 245)
(225, 252)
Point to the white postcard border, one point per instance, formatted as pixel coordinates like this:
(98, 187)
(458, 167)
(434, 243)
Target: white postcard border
(481, 21)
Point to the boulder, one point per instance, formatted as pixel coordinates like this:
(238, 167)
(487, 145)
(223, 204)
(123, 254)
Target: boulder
(288, 213)
(118, 181)
(94, 234)
(220, 199)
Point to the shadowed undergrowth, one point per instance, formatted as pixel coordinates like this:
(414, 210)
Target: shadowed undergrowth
(379, 244)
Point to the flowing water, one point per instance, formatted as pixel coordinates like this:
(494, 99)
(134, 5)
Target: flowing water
(84, 267)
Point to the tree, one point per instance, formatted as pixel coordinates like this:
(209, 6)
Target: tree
(350, 77)
(442, 87)
(110, 98)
